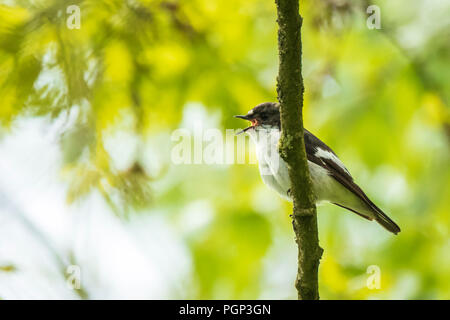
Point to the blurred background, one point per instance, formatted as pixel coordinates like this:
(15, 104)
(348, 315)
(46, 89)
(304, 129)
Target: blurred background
(89, 190)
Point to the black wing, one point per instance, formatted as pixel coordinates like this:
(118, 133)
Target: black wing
(341, 174)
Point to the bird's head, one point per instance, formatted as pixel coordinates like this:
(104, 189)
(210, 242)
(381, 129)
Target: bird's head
(264, 115)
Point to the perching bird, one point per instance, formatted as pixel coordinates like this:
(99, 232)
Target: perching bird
(331, 180)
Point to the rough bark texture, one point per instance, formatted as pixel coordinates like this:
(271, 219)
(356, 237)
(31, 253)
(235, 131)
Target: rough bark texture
(292, 148)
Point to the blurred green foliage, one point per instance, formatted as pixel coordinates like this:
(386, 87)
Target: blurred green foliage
(380, 98)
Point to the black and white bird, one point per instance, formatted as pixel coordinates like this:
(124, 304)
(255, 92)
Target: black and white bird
(331, 180)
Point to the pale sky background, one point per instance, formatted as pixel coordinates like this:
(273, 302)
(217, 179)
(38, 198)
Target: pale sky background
(139, 258)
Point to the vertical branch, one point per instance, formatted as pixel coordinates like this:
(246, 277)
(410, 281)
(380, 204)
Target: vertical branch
(292, 148)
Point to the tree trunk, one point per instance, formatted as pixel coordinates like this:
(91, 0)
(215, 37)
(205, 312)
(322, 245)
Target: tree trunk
(292, 148)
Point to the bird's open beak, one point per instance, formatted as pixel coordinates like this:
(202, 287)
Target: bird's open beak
(242, 117)
(246, 117)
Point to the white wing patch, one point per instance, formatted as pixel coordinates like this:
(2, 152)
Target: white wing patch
(320, 153)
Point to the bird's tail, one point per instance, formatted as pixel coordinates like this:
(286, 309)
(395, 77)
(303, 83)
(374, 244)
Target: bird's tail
(377, 214)
(384, 220)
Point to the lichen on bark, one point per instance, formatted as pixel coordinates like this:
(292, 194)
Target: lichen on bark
(292, 148)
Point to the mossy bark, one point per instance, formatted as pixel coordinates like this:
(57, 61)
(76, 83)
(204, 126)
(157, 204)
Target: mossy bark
(292, 148)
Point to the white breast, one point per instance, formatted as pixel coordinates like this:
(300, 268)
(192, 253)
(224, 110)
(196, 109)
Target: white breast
(274, 170)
